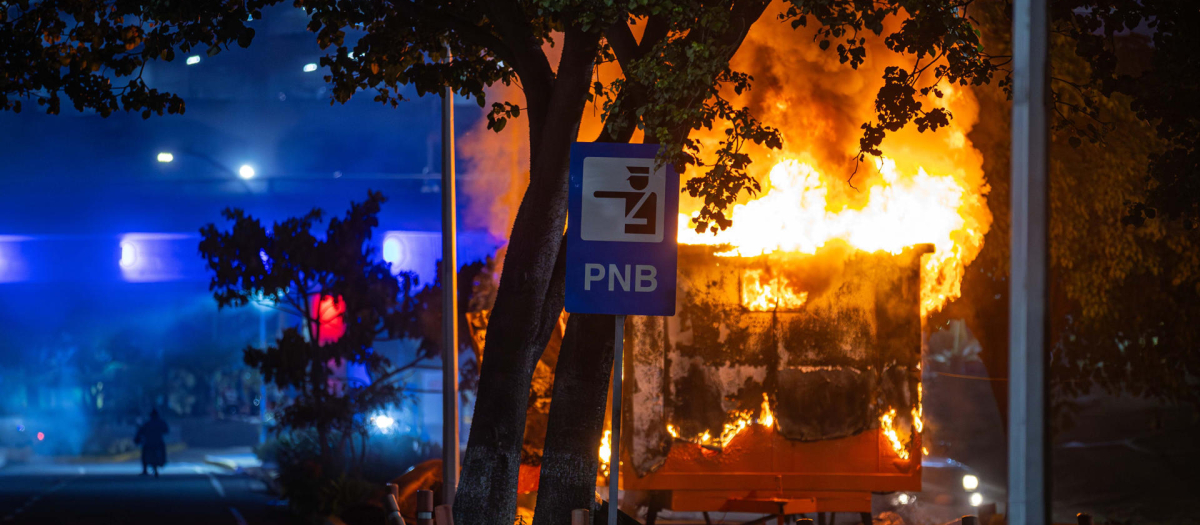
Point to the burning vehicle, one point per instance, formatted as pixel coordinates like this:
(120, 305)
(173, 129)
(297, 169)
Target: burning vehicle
(789, 381)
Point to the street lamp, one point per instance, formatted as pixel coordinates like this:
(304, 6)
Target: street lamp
(165, 157)
(246, 171)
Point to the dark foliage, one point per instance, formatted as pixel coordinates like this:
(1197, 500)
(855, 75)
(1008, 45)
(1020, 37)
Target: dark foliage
(292, 267)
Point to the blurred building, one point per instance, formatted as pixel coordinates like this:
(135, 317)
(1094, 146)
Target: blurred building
(99, 217)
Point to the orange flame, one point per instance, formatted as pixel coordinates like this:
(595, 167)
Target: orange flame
(743, 420)
(605, 452)
(887, 426)
(918, 411)
(796, 215)
(766, 419)
(762, 294)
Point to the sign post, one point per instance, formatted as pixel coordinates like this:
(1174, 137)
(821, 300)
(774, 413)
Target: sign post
(623, 215)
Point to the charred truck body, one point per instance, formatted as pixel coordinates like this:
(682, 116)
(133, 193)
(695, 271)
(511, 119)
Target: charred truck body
(785, 383)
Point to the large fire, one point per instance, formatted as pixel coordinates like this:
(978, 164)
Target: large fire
(928, 189)
(796, 215)
(901, 210)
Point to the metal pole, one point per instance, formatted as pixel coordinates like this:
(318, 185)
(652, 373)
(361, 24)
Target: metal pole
(449, 305)
(581, 517)
(614, 458)
(262, 389)
(1028, 485)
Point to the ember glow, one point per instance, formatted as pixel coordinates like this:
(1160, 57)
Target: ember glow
(743, 420)
(605, 452)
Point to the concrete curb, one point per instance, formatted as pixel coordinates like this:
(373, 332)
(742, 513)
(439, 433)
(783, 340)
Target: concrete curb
(221, 462)
(258, 473)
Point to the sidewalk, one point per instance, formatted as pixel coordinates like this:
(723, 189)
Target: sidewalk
(241, 460)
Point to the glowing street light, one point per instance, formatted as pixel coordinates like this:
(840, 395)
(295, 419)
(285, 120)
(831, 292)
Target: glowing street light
(165, 157)
(193, 60)
(976, 499)
(383, 422)
(310, 67)
(246, 171)
(970, 482)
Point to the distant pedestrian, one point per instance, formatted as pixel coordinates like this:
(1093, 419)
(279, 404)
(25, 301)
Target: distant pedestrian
(150, 437)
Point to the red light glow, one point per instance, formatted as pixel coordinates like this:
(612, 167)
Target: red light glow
(329, 311)
(41, 436)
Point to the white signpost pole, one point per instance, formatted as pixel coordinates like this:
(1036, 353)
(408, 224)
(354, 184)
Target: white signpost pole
(614, 458)
(622, 256)
(1028, 482)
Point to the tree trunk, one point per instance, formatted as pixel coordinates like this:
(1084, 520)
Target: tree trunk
(487, 490)
(528, 301)
(573, 433)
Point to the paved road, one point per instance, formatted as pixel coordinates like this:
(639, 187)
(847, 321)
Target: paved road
(187, 492)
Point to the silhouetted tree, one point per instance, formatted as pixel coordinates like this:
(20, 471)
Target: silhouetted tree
(330, 280)
(1125, 299)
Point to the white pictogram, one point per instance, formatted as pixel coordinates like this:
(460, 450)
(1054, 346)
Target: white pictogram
(622, 200)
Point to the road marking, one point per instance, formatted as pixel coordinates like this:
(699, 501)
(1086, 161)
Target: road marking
(237, 516)
(216, 485)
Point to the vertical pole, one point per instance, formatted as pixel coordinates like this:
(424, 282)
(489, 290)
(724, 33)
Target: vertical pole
(449, 304)
(1028, 486)
(581, 517)
(424, 507)
(614, 458)
(262, 389)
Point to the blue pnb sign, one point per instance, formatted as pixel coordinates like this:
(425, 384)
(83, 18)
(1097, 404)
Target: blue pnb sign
(622, 221)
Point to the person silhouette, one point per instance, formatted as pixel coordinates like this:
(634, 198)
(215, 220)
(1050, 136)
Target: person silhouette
(150, 437)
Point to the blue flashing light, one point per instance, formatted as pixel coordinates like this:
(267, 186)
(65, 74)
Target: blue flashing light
(392, 247)
(129, 255)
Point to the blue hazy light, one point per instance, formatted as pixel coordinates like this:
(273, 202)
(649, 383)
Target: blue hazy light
(13, 266)
(159, 257)
(129, 255)
(392, 246)
(419, 251)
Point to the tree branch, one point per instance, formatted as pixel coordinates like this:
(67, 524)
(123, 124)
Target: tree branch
(476, 34)
(528, 59)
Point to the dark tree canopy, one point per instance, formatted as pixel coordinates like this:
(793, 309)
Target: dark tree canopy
(93, 52)
(294, 268)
